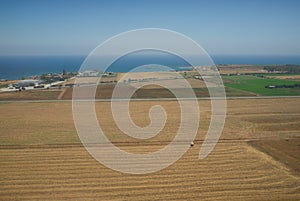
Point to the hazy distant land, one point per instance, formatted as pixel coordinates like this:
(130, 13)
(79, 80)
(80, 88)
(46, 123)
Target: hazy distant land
(239, 80)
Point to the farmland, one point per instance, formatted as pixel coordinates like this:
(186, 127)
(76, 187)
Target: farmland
(252, 82)
(43, 159)
(31, 95)
(255, 84)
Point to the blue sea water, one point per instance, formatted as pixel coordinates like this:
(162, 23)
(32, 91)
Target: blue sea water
(15, 67)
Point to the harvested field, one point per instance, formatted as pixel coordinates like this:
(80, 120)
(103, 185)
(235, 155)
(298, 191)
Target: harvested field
(233, 171)
(41, 157)
(283, 150)
(285, 77)
(146, 75)
(194, 83)
(155, 91)
(241, 69)
(39, 94)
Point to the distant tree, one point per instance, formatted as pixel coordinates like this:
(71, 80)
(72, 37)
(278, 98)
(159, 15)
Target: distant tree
(288, 68)
(43, 77)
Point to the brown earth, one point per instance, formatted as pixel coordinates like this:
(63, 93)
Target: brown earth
(286, 77)
(38, 94)
(7, 82)
(241, 69)
(105, 92)
(284, 150)
(41, 157)
(155, 91)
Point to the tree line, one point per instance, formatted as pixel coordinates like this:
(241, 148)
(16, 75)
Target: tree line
(283, 86)
(288, 68)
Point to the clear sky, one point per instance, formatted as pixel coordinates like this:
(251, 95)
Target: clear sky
(68, 27)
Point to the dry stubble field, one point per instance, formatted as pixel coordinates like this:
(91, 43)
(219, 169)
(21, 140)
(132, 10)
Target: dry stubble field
(257, 157)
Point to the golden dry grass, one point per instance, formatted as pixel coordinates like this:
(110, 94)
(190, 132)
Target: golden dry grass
(38, 94)
(7, 82)
(41, 157)
(235, 69)
(286, 77)
(233, 171)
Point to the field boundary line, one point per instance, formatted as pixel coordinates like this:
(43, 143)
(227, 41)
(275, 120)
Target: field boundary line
(147, 99)
(150, 143)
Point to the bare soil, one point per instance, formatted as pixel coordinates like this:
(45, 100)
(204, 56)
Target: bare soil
(38, 94)
(241, 69)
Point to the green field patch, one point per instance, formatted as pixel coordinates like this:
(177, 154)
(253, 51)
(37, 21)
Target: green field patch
(255, 84)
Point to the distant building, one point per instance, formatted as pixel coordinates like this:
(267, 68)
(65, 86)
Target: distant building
(27, 83)
(89, 73)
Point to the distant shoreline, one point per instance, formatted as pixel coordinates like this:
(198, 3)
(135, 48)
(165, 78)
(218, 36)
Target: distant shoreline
(15, 67)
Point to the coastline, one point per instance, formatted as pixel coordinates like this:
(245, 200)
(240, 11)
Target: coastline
(13, 67)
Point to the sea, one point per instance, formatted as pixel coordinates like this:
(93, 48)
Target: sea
(17, 67)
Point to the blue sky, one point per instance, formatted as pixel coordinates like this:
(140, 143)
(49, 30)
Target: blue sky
(221, 27)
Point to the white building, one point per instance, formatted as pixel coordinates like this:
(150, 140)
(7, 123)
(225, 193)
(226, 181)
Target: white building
(89, 73)
(27, 83)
